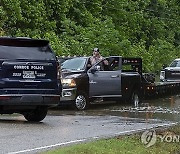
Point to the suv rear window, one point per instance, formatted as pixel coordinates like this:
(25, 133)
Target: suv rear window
(25, 49)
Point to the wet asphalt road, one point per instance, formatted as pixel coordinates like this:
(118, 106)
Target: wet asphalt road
(64, 126)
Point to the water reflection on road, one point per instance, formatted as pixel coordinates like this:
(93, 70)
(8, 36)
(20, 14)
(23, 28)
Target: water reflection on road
(163, 108)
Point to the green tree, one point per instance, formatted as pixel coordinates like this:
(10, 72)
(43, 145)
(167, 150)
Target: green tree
(148, 29)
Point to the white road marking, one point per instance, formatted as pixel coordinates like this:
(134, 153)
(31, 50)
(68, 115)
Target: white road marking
(48, 146)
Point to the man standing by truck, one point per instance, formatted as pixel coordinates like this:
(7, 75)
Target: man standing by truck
(96, 57)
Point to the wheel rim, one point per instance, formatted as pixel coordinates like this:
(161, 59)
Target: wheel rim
(136, 100)
(81, 102)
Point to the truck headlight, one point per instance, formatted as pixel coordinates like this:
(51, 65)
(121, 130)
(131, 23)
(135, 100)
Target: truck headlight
(68, 83)
(162, 75)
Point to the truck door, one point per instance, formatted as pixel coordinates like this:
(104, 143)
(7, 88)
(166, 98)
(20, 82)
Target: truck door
(104, 82)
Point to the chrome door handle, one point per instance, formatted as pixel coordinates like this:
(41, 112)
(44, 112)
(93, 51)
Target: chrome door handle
(114, 76)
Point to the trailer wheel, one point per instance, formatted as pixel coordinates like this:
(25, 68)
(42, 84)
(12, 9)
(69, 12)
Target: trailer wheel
(36, 115)
(81, 101)
(135, 98)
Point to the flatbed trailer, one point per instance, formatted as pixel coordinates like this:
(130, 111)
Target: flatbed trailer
(149, 87)
(161, 89)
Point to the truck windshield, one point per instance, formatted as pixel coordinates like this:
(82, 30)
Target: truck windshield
(175, 64)
(74, 64)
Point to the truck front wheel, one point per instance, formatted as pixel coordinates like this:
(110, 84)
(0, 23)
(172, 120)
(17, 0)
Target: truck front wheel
(81, 101)
(36, 115)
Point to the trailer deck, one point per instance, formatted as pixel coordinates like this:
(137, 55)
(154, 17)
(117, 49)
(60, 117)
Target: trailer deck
(161, 88)
(150, 88)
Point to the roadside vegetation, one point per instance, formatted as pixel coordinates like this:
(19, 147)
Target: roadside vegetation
(124, 144)
(147, 29)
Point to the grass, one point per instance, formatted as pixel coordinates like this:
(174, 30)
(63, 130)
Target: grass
(124, 145)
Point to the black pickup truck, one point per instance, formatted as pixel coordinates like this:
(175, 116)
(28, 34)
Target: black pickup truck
(84, 84)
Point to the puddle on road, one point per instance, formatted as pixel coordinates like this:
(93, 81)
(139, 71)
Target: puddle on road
(162, 109)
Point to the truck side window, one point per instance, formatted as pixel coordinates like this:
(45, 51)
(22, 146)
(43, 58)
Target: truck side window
(113, 64)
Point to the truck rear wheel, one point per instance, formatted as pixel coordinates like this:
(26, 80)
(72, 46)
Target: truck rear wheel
(135, 98)
(81, 101)
(36, 115)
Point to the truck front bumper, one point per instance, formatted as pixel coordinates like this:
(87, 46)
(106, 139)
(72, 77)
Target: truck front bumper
(68, 94)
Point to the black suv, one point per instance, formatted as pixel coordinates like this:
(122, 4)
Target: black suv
(28, 77)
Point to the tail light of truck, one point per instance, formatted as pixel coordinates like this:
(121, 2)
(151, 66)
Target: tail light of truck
(150, 88)
(4, 97)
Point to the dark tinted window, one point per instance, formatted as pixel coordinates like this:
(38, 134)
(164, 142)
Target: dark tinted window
(21, 48)
(175, 64)
(38, 53)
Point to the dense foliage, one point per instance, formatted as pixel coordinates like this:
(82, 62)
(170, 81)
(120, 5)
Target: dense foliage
(149, 29)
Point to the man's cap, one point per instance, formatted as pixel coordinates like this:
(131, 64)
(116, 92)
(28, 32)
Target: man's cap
(96, 50)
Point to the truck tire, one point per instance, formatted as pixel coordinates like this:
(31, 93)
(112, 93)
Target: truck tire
(81, 101)
(36, 115)
(135, 98)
